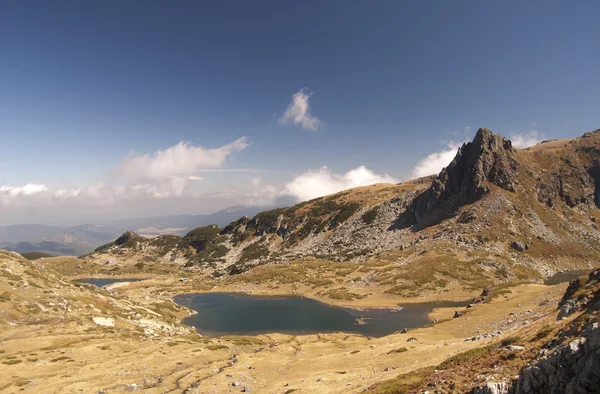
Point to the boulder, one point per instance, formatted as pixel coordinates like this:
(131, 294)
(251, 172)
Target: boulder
(567, 309)
(518, 246)
(491, 388)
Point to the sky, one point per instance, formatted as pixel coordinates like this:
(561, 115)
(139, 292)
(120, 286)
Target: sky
(127, 108)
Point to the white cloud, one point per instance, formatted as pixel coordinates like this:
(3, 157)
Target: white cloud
(167, 171)
(526, 139)
(434, 162)
(298, 112)
(162, 174)
(27, 190)
(182, 159)
(312, 184)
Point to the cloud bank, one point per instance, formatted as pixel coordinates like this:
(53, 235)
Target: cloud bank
(139, 177)
(526, 139)
(322, 182)
(298, 112)
(434, 162)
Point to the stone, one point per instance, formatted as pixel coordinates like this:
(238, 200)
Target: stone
(518, 246)
(457, 314)
(571, 368)
(412, 339)
(491, 388)
(404, 331)
(567, 309)
(104, 321)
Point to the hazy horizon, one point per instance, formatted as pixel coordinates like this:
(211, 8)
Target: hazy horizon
(123, 109)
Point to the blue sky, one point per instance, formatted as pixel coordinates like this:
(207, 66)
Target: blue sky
(84, 87)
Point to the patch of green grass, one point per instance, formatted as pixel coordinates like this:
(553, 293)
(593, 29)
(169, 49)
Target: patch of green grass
(244, 341)
(402, 384)
(9, 275)
(253, 252)
(12, 362)
(355, 351)
(61, 358)
(544, 332)
(399, 350)
(22, 382)
(462, 357)
(369, 216)
(342, 294)
(346, 212)
(35, 255)
(200, 237)
(217, 347)
(511, 341)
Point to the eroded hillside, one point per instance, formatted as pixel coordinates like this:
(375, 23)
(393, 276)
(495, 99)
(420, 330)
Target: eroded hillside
(495, 214)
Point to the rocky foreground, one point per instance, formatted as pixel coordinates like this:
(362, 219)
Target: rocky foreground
(66, 338)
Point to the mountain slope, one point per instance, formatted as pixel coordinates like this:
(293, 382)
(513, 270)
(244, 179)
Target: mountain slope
(495, 214)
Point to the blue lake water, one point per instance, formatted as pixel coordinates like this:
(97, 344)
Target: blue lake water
(240, 314)
(567, 276)
(100, 282)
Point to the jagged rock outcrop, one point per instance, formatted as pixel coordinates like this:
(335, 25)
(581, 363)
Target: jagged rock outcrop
(573, 368)
(491, 388)
(572, 175)
(488, 158)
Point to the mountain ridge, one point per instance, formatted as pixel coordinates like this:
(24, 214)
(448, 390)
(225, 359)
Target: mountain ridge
(501, 213)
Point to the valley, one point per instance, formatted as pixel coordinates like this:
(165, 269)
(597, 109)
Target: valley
(468, 252)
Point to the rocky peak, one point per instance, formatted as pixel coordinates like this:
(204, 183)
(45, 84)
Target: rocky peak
(488, 158)
(126, 238)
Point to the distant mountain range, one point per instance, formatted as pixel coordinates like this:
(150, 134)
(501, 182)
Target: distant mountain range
(83, 238)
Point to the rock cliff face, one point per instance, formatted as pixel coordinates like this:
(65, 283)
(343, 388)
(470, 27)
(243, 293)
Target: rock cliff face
(488, 158)
(572, 174)
(575, 366)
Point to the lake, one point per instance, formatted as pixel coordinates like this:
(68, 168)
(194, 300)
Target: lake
(100, 282)
(567, 276)
(240, 314)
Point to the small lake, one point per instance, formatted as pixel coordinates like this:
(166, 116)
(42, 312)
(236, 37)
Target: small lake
(240, 314)
(100, 282)
(567, 276)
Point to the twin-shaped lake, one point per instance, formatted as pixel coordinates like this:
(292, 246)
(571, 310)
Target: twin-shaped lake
(240, 314)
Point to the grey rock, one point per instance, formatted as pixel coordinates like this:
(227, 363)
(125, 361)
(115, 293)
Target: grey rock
(567, 309)
(518, 246)
(571, 369)
(491, 388)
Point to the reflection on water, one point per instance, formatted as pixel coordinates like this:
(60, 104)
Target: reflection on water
(106, 281)
(566, 276)
(232, 313)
